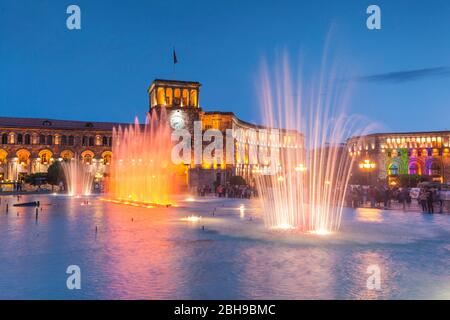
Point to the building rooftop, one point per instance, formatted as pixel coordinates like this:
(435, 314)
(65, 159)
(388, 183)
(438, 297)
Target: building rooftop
(10, 122)
(424, 133)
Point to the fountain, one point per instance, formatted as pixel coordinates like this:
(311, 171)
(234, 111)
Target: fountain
(142, 171)
(309, 190)
(79, 177)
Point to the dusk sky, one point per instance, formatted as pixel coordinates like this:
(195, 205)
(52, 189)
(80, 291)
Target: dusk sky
(400, 74)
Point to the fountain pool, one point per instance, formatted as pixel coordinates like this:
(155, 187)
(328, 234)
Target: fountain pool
(165, 253)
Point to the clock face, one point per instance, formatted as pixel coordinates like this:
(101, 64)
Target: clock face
(176, 121)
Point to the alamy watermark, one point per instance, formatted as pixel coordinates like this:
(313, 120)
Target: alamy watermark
(257, 147)
(74, 280)
(73, 21)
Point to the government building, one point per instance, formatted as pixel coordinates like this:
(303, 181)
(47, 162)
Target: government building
(30, 145)
(383, 157)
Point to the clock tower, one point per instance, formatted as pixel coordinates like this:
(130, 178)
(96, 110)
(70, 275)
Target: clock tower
(181, 100)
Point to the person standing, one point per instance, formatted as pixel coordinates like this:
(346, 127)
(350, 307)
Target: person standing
(423, 200)
(430, 200)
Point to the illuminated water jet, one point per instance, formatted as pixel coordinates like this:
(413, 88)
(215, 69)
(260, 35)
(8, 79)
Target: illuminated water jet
(79, 177)
(142, 172)
(308, 189)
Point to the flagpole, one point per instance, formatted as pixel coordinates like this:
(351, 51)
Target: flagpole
(175, 60)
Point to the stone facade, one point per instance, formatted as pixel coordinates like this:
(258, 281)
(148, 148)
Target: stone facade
(393, 154)
(31, 145)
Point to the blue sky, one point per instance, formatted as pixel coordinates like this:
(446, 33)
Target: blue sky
(401, 76)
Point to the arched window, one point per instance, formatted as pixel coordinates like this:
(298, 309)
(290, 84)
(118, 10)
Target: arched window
(23, 156)
(71, 140)
(27, 139)
(185, 98)
(177, 97)
(160, 97)
(169, 96)
(45, 156)
(87, 156)
(63, 140)
(84, 141)
(393, 169)
(106, 156)
(435, 169)
(19, 138)
(5, 138)
(193, 98)
(91, 141)
(105, 141)
(67, 155)
(49, 140)
(41, 139)
(414, 168)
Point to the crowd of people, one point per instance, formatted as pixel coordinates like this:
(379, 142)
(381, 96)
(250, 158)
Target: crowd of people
(227, 191)
(429, 199)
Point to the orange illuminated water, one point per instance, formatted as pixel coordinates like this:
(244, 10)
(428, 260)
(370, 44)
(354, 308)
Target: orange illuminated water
(142, 171)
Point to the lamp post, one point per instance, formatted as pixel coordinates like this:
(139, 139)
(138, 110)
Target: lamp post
(367, 166)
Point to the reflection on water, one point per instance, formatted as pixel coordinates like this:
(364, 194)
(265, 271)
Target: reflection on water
(142, 253)
(369, 215)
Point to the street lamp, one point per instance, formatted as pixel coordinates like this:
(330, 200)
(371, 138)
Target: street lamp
(367, 166)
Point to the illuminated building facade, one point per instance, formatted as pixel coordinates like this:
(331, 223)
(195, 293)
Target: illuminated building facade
(181, 100)
(385, 156)
(30, 145)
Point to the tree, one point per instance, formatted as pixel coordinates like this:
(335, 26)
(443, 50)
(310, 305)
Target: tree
(411, 180)
(55, 174)
(237, 181)
(36, 179)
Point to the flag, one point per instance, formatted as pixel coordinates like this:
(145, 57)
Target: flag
(175, 60)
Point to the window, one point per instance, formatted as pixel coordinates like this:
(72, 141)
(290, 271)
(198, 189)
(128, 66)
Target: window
(5, 138)
(105, 141)
(393, 169)
(414, 168)
(160, 96)
(91, 141)
(87, 159)
(193, 98)
(185, 98)
(63, 140)
(20, 138)
(177, 97)
(169, 96)
(46, 123)
(71, 140)
(49, 140)
(41, 139)
(84, 141)
(110, 141)
(44, 158)
(107, 158)
(27, 139)
(435, 169)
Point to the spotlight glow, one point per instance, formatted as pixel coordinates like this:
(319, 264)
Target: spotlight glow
(283, 226)
(192, 219)
(321, 232)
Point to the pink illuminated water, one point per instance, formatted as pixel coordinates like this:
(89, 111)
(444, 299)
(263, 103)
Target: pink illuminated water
(142, 170)
(79, 177)
(308, 192)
